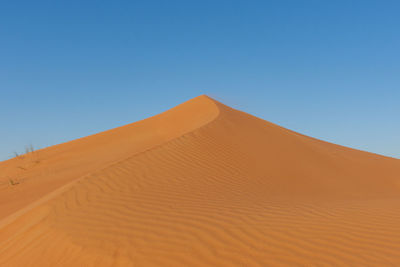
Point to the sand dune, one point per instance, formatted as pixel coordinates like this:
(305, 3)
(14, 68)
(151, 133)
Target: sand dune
(200, 185)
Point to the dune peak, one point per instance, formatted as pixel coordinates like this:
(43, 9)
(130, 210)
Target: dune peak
(200, 184)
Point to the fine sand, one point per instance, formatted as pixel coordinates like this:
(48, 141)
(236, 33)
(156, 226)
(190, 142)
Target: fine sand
(200, 185)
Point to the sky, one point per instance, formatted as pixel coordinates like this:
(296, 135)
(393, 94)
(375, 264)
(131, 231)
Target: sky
(328, 69)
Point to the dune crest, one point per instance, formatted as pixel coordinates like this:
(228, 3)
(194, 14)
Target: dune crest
(202, 185)
(43, 171)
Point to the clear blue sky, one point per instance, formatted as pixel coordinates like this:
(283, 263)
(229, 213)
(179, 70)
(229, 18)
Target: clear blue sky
(329, 69)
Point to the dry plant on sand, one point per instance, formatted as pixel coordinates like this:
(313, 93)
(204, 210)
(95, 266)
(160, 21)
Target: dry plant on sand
(29, 158)
(13, 182)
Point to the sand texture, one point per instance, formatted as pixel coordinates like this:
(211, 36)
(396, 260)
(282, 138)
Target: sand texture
(200, 185)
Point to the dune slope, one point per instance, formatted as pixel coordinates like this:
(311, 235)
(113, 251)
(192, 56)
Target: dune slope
(204, 185)
(45, 170)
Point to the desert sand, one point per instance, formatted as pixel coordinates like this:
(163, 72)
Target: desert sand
(201, 184)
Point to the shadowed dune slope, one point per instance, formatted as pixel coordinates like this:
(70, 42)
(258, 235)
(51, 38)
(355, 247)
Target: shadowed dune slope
(204, 185)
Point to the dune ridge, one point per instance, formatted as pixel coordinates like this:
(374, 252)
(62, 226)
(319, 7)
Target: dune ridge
(217, 188)
(66, 162)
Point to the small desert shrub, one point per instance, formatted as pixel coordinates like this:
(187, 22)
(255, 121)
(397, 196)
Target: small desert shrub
(30, 154)
(29, 149)
(13, 182)
(18, 156)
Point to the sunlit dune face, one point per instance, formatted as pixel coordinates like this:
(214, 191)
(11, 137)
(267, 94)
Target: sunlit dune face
(200, 185)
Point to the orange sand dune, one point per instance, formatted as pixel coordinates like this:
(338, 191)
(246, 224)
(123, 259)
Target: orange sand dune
(200, 185)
